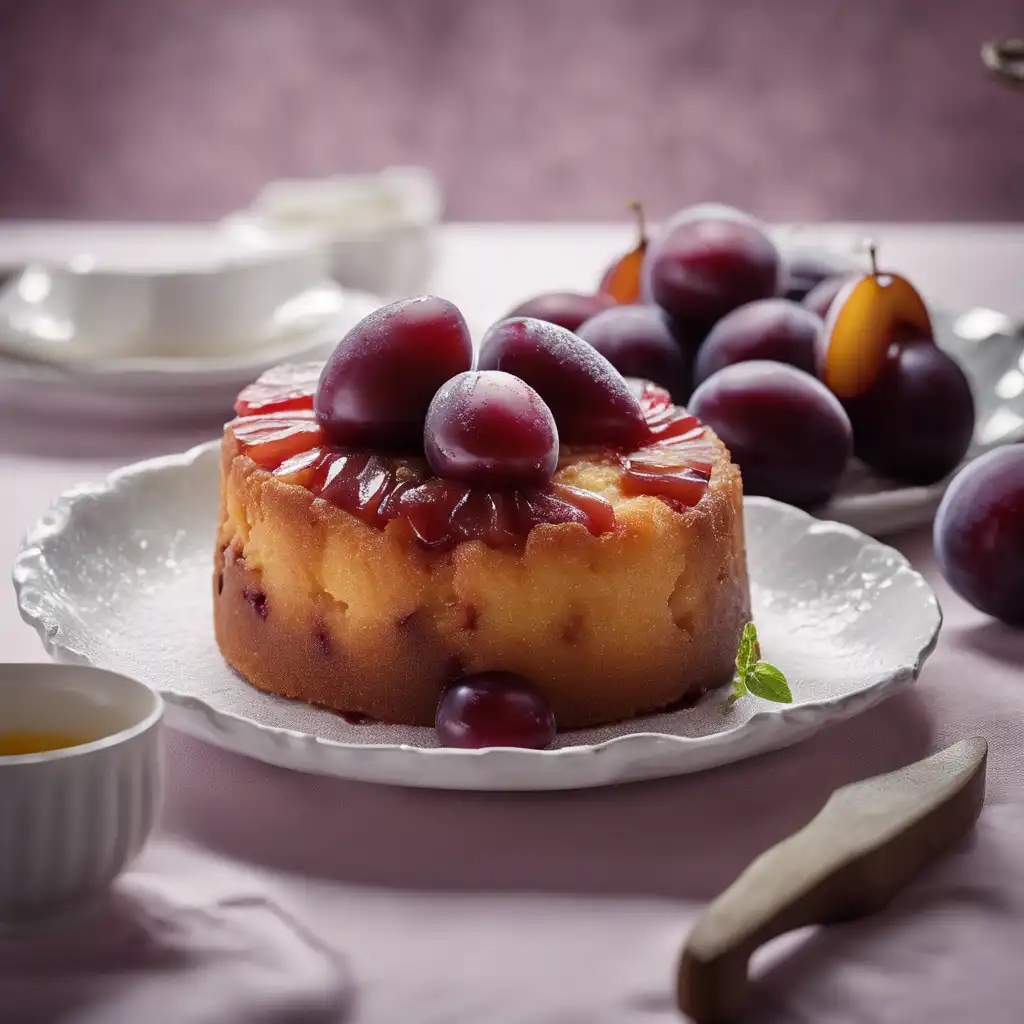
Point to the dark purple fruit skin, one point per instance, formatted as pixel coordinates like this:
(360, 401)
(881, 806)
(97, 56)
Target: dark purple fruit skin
(639, 342)
(979, 534)
(916, 422)
(700, 268)
(589, 398)
(567, 309)
(490, 428)
(494, 709)
(820, 298)
(376, 386)
(805, 269)
(775, 329)
(784, 429)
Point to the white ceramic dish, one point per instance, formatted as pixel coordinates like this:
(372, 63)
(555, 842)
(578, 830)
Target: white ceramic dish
(119, 575)
(379, 229)
(147, 247)
(73, 818)
(186, 291)
(164, 390)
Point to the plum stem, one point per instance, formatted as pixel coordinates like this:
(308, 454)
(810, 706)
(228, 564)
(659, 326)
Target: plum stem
(873, 256)
(641, 224)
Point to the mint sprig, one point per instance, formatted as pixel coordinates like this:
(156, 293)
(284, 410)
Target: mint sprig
(756, 676)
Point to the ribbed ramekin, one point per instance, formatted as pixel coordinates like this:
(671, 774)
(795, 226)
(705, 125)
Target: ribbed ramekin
(72, 819)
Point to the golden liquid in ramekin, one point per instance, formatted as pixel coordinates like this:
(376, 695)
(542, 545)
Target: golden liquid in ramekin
(14, 744)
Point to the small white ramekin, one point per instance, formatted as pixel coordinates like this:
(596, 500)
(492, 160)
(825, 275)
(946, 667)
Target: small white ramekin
(72, 819)
(380, 230)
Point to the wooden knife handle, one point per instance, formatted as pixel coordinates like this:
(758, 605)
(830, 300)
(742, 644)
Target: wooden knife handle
(870, 838)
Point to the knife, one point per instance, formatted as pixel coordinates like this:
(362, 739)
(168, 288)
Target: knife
(867, 842)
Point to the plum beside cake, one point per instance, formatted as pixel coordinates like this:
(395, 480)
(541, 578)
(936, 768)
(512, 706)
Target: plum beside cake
(539, 535)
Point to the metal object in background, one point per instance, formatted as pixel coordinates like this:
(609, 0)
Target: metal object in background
(1005, 59)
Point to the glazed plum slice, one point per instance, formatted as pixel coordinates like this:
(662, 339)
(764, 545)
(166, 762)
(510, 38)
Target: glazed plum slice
(272, 438)
(284, 388)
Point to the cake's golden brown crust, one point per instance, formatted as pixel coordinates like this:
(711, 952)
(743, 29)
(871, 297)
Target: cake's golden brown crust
(312, 603)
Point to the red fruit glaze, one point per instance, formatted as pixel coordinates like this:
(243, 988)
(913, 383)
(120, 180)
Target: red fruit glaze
(563, 505)
(677, 466)
(441, 513)
(280, 389)
(377, 384)
(300, 468)
(360, 482)
(365, 485)
(376, 488)
(600, 516)
(665, 473)
(651, 396)
(271, 438)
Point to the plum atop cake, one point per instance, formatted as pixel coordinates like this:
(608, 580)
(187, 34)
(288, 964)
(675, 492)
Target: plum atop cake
(541, 543)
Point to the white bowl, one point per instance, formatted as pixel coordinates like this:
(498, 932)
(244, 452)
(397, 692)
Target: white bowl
(379, 229)
(73, 818)
(187, 291)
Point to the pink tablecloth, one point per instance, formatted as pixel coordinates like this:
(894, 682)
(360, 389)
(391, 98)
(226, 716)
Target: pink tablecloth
(431, 906)
(272, 896)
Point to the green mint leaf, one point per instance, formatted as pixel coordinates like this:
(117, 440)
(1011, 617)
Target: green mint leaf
(768, 682)
(748, 654)
(756, 676)
(739, 689)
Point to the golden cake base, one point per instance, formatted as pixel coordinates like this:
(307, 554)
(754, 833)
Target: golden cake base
(311, 603)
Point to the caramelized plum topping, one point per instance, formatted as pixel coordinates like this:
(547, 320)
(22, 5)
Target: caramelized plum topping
(272, 438)
(280, 389)
(376, 386)
(490, 428)
(590, 399)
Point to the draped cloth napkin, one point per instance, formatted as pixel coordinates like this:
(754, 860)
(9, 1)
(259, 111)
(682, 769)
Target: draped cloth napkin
(185, 940)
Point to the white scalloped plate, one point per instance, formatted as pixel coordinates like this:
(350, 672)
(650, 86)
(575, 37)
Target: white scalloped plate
(118, 575)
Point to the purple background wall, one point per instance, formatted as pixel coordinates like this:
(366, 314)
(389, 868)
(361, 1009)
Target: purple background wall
(527, 109)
